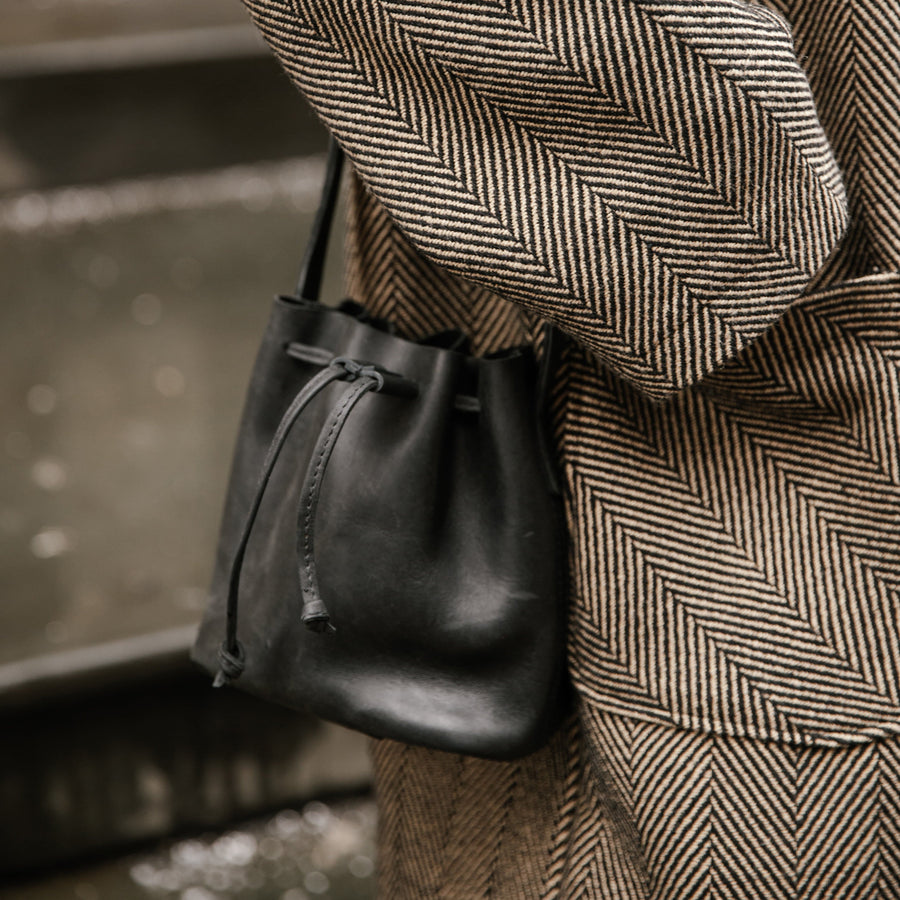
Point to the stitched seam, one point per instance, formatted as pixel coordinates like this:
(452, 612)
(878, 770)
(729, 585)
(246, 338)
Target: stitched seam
(349, 398)
(314, 485)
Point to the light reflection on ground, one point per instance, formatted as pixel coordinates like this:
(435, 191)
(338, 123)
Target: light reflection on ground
(322, 850)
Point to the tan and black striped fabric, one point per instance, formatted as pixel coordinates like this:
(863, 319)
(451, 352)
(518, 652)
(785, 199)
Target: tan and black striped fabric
(653, 176)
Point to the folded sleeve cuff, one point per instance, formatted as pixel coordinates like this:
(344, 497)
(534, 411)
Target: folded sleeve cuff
(651, 175)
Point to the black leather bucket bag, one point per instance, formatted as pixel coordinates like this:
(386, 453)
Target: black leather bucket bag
(392, 534)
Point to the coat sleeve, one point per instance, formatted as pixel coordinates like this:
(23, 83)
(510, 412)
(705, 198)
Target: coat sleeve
(651, 175)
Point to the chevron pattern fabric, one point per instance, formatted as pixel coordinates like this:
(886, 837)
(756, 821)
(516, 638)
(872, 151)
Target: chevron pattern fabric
(636, 811)
(738, 549)
(736, 577)
(851, 50)
(649, 175)
(652, 176)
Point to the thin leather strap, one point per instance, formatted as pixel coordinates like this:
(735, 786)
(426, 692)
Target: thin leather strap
(315, 615)
(309, 284)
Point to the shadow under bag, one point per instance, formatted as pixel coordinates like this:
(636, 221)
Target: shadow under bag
(392, 531)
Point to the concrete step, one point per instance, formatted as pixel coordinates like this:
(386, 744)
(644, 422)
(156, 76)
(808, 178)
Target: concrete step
(130, 316)
(66, 127)
(102, 89)
(106, 772)
(29, 24)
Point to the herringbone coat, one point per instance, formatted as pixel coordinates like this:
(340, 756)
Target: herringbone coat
(703, 193)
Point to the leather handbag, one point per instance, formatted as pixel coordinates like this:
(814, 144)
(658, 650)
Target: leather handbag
(392, 535)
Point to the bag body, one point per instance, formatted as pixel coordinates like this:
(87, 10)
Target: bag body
(435, 539)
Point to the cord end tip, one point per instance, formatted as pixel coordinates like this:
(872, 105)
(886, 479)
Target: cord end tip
(320, 624)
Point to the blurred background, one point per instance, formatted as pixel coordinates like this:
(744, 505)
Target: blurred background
(158, 175)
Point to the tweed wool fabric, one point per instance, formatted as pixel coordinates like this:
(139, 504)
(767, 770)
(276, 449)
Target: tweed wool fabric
(648, 174)
(736, 576)
(636, 811)
(735, 548)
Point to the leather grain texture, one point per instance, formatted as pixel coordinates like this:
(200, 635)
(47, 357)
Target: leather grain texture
(437, 545)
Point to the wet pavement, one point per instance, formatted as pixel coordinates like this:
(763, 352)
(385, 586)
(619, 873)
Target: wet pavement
(321, 850)
(129, 317)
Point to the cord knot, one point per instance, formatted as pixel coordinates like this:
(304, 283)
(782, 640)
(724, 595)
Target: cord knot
(355, 368)
(231, 664)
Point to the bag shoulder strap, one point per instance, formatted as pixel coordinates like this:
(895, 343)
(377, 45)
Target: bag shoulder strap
(309, 284)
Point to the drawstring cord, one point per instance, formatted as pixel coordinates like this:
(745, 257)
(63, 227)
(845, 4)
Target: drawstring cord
(364, 378)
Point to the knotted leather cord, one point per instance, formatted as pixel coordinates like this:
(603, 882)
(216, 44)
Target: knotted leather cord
(365, 377)
(231, 652)
(315, 615)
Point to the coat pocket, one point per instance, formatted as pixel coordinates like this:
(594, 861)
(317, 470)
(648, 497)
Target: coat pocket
(736, 555)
